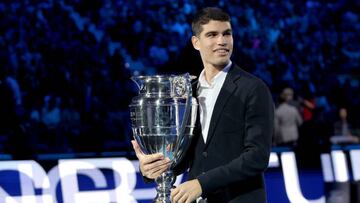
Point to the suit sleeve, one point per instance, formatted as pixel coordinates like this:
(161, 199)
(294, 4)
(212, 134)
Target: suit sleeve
(259, 121)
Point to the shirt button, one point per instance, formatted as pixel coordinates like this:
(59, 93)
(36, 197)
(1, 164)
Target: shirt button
(205, 154)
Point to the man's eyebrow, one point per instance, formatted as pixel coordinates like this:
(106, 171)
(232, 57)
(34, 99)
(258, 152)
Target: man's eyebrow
(211, 32)
(215, 32)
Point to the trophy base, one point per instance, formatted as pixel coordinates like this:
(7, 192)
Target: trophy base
(164, 184)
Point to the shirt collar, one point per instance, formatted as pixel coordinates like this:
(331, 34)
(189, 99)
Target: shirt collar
(218, 77)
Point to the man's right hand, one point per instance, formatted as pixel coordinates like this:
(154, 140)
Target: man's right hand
(151, 165)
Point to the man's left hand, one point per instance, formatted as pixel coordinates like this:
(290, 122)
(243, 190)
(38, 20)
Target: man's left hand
(186, 192)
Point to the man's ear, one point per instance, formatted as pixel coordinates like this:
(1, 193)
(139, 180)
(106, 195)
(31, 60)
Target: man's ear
(195, 42)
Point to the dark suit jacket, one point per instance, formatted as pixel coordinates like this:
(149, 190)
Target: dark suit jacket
(230, 165)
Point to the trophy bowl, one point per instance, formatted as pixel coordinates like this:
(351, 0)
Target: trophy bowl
(163, 118)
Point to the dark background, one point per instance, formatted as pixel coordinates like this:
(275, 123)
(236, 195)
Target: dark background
(65, 66)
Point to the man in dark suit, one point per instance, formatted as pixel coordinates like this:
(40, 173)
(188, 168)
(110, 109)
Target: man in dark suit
(231, 148)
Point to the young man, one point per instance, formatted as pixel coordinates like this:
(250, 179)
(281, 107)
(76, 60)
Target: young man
(228, 156)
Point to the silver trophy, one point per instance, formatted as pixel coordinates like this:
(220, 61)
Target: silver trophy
(163, 118)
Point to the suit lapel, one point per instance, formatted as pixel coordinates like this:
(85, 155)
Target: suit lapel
(197, 130)
(226, 91)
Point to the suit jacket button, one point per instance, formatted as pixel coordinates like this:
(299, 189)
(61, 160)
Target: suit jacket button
(205, 154)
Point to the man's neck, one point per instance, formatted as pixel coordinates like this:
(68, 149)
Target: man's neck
(212, 71)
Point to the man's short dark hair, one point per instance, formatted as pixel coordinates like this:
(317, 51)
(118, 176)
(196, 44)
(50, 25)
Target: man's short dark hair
(205, 15)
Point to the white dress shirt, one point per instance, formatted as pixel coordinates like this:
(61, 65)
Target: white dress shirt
(207, 95)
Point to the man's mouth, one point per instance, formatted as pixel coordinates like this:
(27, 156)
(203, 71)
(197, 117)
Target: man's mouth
(221, 50)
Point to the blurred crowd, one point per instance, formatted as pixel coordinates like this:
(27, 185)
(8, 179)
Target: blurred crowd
(65, 66)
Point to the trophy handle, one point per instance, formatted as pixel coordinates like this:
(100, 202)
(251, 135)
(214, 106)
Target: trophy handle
(182, 85)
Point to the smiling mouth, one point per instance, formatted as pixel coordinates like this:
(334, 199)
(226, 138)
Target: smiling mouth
(221, 51)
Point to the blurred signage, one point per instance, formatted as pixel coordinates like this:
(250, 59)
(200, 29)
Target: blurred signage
(118, 179)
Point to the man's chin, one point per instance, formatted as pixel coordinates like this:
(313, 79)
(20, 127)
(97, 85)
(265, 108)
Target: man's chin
(223, 63)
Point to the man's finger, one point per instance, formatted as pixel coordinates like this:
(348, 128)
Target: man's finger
(177, 196)
(156, 172)
(153, 157)
(160, 171)
(173, 193)
(156, 166)
(159, 163)
(137, 149)
(183, 198)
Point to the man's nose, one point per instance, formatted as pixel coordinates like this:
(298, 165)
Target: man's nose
(221, 40)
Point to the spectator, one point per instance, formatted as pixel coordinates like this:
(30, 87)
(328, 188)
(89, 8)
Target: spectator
(287, 120)
(342, 129)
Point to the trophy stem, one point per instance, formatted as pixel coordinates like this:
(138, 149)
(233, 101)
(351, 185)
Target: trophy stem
(164, 184)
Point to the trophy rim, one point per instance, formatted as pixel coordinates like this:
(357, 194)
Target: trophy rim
(192, 77)
(167, 104)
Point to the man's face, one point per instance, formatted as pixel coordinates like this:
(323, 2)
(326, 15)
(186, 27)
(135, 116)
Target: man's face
(215, 43)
